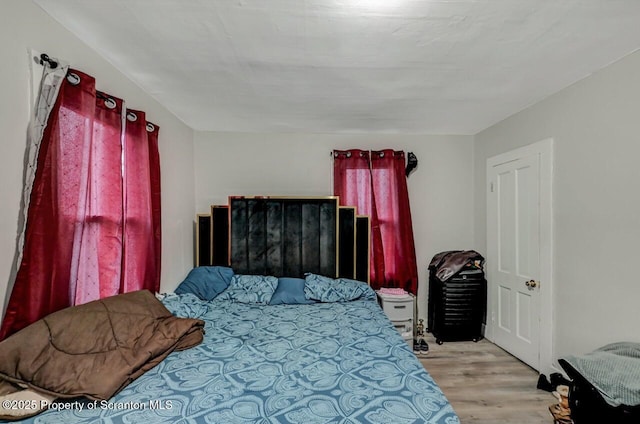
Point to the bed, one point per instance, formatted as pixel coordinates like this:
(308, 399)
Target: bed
(314, 363)
(325, 353)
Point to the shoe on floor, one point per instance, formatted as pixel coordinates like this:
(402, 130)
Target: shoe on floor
(424, 347)
(416, 346)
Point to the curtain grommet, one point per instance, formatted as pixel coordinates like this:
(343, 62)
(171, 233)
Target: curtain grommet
(110, 103)
(150, 127)
(132, 117)
(73, 78)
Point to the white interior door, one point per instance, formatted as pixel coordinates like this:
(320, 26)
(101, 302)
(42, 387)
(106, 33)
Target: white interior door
(514, 265)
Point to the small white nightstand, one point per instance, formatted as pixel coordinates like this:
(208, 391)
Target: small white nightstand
(400, 310)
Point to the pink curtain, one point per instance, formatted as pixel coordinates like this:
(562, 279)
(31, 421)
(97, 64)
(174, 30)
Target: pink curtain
(375, 183)
(84, 238)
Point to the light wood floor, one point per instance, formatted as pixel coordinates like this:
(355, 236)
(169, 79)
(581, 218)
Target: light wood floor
(486, 385)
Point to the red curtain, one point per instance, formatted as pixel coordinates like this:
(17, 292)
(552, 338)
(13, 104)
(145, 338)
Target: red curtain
(375, 183)
(84, 235)
(154, 169)
(141, 171)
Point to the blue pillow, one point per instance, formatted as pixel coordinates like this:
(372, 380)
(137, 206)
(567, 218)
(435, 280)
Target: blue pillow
(290, 291)
(325, 289)
(206, 282)
(250, 289)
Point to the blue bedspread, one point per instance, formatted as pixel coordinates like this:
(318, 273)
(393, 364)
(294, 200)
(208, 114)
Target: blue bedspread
(319, 363)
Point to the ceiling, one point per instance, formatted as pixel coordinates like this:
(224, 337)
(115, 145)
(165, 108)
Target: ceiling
(352, 66)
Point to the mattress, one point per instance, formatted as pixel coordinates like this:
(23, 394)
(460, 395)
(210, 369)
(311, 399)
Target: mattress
(317, 363)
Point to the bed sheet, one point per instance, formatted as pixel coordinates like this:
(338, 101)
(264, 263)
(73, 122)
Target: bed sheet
(318, 363)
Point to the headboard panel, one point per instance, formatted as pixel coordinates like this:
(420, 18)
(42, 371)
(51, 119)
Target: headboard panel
(283, 236)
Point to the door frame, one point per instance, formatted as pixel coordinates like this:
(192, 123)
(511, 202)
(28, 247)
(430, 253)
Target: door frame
(544, 150)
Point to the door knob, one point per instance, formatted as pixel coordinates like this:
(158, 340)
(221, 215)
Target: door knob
(532, 284)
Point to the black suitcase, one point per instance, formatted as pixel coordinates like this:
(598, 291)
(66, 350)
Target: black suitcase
(457, 307)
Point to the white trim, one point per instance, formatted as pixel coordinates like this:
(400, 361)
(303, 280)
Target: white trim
(544, 149)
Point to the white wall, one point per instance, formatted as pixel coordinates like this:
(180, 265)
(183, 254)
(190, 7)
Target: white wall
(596, 127)
(440, 189)
(22, 26)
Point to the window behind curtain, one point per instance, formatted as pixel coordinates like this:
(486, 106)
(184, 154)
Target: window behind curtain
(375, 183)
(93, 220)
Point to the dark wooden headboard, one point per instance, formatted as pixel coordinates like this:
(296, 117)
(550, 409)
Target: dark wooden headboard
(285, 237)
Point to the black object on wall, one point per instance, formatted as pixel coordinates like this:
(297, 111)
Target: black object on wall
(412, 163)
(284, 236)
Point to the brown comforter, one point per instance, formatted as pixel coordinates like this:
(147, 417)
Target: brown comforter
(96, 349)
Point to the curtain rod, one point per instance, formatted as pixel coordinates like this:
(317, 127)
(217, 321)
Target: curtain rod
(53, 64)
